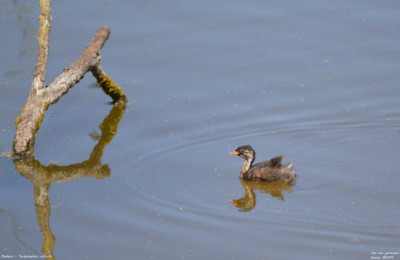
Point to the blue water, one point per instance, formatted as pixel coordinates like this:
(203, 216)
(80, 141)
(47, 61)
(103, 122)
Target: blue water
(314, 81)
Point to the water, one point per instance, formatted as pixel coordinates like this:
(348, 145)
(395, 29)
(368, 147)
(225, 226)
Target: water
(314, 81)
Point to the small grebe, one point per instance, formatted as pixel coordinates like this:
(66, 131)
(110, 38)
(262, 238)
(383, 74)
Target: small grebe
(272, 170)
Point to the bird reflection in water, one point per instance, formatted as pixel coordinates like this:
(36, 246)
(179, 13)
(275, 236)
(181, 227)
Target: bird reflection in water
(43, 176)
(249, 200)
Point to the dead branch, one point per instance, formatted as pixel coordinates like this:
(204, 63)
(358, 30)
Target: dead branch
(40, 97)
(107, 84)
(43, 39)
(75, 72)
(28, 122)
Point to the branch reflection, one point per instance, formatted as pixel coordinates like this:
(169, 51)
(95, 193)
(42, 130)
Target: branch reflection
(249, 201)
(43, 176)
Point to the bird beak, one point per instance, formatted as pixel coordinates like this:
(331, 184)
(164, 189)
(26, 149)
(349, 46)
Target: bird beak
(234, 153)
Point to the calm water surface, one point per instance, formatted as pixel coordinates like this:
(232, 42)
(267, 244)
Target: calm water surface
(314, 81)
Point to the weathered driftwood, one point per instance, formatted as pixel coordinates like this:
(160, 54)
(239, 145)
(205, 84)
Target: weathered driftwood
(43, 39)
(28, 122)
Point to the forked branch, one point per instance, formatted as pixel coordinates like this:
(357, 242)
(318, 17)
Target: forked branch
(28, 122)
